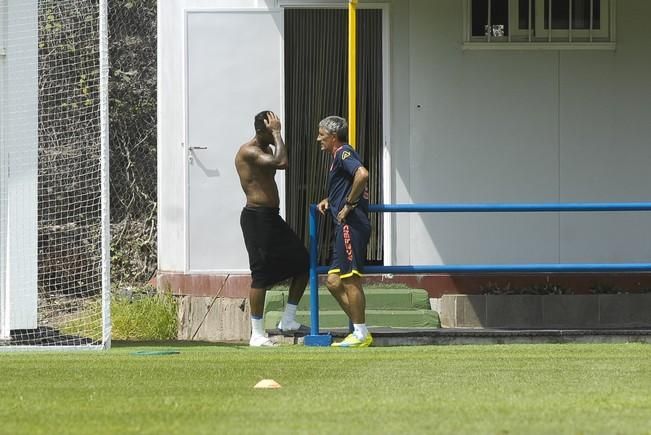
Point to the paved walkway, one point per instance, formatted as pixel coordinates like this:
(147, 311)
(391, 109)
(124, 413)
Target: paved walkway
(414, 337)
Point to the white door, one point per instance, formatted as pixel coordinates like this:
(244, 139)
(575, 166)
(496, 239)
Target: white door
(233, 71)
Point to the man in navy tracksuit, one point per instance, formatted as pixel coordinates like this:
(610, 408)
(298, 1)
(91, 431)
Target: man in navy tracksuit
(348, 203)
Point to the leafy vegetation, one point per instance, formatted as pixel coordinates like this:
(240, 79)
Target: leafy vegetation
(546, 288)
(132, 106)
(144, 315)
(137, 314)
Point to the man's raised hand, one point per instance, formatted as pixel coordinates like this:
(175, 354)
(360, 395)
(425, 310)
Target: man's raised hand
(272, 122)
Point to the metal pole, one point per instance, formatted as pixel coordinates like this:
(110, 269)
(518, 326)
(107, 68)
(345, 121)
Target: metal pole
(104, 169)
(314, 284)
(521, 268)
(512, 207)
(352, 72)
(314, 339)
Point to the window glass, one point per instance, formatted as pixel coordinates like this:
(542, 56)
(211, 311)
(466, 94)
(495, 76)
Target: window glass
(499, 18)
(523, 13)
(580, 14)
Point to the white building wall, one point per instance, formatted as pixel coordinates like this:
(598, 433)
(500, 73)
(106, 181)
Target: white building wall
(400, 128)
(18, 164)
(605, 131)
(172, 155)
(526, 126)
(478, 126)
(171, 158)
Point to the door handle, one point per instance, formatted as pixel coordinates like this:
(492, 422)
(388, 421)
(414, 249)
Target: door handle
(191, 153)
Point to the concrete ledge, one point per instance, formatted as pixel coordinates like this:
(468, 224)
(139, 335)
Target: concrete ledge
(548, 311)
(575, 310)
(502, 336)
(556, 319)
(383, 337)
(214, 319)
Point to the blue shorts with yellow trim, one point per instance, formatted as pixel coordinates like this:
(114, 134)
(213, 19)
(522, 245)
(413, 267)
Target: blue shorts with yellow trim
(349, 253)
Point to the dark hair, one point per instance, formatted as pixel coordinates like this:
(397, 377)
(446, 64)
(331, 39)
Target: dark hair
(258, 123)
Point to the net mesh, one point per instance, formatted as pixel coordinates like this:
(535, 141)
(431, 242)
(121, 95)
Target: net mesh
(57, 149)
(132, 92)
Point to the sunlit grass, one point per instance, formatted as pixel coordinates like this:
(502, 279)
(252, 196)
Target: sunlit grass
(430, 389)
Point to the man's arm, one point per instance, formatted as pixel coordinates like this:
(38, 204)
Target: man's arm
(277, 158)
(359, 183)
(357, 189)
(280, 152)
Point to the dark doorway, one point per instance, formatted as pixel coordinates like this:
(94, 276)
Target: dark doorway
(316, 86)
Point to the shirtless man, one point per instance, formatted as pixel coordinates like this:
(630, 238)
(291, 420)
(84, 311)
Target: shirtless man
(275, 251)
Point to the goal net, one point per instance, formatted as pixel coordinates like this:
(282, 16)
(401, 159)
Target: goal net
(54, 227)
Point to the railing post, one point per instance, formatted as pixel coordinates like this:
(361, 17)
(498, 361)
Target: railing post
(314, 339)
(314, 280)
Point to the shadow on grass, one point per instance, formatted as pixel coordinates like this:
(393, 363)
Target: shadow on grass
(175, 343)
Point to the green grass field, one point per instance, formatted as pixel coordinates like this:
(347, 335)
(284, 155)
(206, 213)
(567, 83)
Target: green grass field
(516, 389)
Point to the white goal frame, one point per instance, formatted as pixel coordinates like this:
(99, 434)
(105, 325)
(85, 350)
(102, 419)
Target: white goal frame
(8, 248)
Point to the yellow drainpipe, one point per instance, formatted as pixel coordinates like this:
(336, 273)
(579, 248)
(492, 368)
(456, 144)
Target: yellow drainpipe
(352, 72)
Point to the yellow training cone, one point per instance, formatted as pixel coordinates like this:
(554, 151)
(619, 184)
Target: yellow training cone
(267, 383)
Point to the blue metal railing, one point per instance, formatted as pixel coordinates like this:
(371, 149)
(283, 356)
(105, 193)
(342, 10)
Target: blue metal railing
(319, 340)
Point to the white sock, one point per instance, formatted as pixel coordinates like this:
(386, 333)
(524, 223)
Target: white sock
(360, 331)
(257, 326)
(290, 313)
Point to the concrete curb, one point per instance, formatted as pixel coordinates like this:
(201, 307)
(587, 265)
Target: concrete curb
(546, 311)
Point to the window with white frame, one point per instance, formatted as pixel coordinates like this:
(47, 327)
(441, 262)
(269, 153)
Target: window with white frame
(554, 22)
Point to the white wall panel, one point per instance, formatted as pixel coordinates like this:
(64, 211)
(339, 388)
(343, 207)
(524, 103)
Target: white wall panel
(173, 252)
(484, 129)
(605, 118)
(18, 169)
(480, 126)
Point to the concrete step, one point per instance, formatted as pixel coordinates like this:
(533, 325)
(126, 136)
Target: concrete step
(376, 299)
(412, 318)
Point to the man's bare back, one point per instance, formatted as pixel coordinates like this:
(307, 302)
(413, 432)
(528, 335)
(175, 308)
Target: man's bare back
(256, 163)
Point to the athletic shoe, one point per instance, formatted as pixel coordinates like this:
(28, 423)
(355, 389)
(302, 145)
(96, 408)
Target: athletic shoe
(261, 341)
(353, 341)
(292, 326)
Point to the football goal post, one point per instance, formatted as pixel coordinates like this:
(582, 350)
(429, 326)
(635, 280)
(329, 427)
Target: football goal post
(54, 205)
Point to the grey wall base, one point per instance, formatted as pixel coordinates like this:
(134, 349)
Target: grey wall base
(214, 319)
(227, 319)
(552, 311)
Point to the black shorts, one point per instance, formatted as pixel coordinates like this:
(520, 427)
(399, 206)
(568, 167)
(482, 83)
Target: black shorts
(275, 251)
(349, 253)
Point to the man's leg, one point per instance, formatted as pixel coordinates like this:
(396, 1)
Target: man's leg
(354, 294)
(336, 287)
(348, 291)
(356, 298)
(256, 300)
(296, 290)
